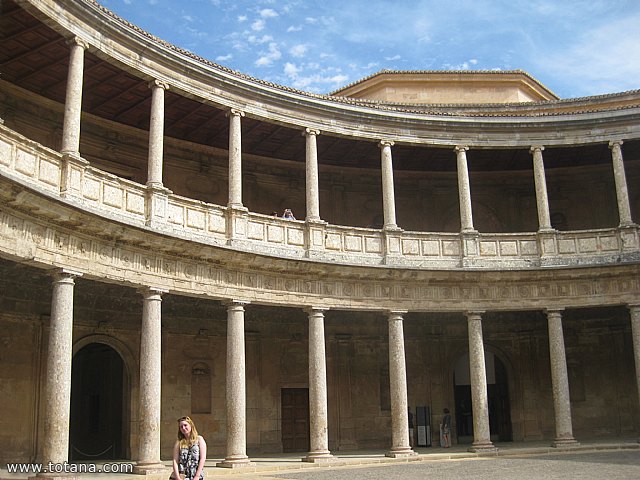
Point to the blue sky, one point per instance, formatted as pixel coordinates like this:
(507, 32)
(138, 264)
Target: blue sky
(575, 48)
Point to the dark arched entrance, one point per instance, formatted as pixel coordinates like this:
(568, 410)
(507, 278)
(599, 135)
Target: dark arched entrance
(498, 396)
(97, 400)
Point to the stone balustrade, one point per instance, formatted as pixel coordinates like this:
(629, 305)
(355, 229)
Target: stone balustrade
(72, 180)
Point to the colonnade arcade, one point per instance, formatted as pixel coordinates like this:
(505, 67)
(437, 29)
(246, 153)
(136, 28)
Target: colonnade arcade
(155, 185)
(58, 378)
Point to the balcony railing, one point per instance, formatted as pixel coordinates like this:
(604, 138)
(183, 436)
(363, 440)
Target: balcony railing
(73, 181)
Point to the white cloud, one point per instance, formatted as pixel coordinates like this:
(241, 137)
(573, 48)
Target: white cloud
(242, 18)
(294, 29)
(259, 41)
(269, 57)
(224, 58)
(311, 20)
(291, 70)
(188, 18)
(395, 57)
(298, 50)
(258, 25)
(268, 13)
(602, 60)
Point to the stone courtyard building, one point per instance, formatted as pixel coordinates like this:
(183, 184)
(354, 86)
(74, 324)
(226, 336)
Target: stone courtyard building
(464, 240)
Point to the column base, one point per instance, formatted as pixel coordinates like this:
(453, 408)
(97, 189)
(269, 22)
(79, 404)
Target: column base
(319, 457)
(235, 462)
(565, 443)
(482, 447)
(152, 471)
(400, 452)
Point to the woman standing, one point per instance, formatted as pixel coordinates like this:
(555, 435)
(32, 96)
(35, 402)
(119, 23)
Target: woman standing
(189, 452)
(446, 428)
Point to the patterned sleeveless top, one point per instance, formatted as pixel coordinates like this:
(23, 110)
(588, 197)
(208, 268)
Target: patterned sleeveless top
(189, 459)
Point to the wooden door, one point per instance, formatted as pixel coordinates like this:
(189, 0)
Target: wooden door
(295, 419)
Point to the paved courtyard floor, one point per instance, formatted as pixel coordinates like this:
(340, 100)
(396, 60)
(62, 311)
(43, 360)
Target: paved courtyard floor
(610, 459)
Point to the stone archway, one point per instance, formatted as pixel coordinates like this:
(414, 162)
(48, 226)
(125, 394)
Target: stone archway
(498, 395)
(99, 427)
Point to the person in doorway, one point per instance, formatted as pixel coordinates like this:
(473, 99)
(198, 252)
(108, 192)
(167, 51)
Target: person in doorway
(189, 452)
(288, 214)
(410, 417)
(446, 428)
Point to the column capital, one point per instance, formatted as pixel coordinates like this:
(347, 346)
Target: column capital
(61, 274)
(615, 143)
(310, 131)
(235, 304)
(461, 148)
(633, 306)
(396, 314)
(554, 311)
(78, 41)
(234, 112)
(158, 83)
(474, 314)
(148, 292)
(535, 148)
(386, 143)
(316, 310)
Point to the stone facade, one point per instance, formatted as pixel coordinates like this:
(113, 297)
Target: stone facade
(439, 260)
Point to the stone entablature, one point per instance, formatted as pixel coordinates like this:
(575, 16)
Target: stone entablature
(59, 212)
(194, 77)
(74, 182)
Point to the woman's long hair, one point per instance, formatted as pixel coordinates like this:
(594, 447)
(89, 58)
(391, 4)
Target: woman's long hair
(186, 442)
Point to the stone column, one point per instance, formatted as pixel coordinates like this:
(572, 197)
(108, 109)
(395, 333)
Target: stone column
(542, 199)
(73, 101)
(235, 158)
(313, 196)
(398, 383)
(622, 193)
(156, 134)
(388, 195)
(478, 374)
(464, 190)
(236, 386)
(150, 383)
(634, 311)
(58, 377)
(559, 381)
(319, 435)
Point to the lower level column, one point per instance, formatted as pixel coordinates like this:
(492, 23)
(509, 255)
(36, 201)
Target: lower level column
(150, 383)
(398, 383)
(478, 374)
(58, 377)
(318, 417)
(560, 382)
(634, 311)
(236, 389)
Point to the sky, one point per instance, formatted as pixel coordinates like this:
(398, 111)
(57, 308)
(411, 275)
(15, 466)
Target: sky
(574, 48)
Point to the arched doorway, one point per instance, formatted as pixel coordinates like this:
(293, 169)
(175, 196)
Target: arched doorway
(498, 397)
(97, 425)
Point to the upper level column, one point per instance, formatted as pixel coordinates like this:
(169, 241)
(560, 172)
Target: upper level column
(478, 374)
(542, 199)
(73, 101)
(156, 134)
(398, 383)
(559, 381)
(388, 194)
(622, 193)
(235, 158)
(150, 382)
(58, 377)
(464, 190)
(313, 197)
